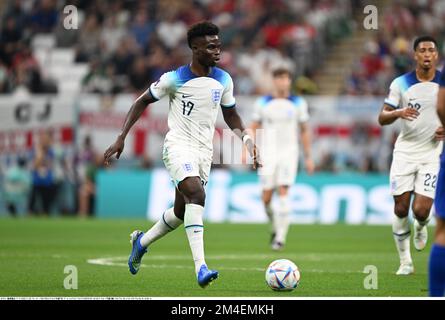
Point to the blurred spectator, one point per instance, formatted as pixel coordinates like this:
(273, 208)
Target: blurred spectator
(87, 191)
(44, 16)
(9, 40)
(83, 159)
(16, 11)
(100, 79)
(371, 61)
(87, 154)
(142, 29)
(111, 35)
(139, 76)
(327, 163)
(171, 31)
(402, 57)
(305, 84)
(43, 183)
(5, 85)
(398, 19)
(123, 58)
(158, 60)
(17, 186)
(27, 72)
(89, 39)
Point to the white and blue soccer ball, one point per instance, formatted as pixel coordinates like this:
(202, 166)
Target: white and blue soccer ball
(282, 275)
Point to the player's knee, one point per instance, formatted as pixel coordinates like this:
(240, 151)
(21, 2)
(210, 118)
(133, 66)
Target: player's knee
(401, 210)
(196, 196)
(421, 212)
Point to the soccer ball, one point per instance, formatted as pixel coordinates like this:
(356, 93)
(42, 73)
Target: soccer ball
(282, 275)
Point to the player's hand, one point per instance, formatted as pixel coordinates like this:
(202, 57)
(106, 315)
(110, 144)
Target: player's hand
(309, 165)
(116, 148)
(440, 134)
(409, 114)
(254, 153)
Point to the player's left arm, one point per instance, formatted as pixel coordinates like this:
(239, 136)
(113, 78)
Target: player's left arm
(440, 132)
(233, 120)
(306, 141)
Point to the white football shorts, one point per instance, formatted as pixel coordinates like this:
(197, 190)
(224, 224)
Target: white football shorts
(277, 173)
(184, 162)
(411, 176)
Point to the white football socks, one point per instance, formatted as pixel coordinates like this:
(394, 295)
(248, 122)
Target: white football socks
(281, 219)
(401, 232)
(167, 223)
(195, 232)
(420, 224)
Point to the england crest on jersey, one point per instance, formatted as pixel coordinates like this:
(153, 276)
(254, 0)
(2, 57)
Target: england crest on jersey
(216, 96)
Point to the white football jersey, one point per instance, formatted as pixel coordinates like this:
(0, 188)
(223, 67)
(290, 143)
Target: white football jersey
(280, 119)
(194, 104)
(416, 142)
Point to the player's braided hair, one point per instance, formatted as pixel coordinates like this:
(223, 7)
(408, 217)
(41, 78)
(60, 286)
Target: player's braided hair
(201, 29)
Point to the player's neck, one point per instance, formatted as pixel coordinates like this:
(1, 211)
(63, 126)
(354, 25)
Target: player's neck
(281, 94)
(425, 74)
(200, 70)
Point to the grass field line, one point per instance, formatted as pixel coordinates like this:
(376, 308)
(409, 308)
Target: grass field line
(314, 257)
(122, 262)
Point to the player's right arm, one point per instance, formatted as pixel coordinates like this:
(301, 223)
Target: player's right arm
(391, 110)
(388, 114)
(156, 91)
(133, 115)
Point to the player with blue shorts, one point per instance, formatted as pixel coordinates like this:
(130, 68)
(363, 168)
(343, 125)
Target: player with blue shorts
(437, 256)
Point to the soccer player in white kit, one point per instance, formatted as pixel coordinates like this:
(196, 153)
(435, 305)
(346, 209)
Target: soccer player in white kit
(195, 93)
(281, 116)
(412, 98)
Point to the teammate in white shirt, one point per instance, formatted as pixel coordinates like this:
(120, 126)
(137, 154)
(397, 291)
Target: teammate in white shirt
(412, 98)
(195, 93)
(281, 116)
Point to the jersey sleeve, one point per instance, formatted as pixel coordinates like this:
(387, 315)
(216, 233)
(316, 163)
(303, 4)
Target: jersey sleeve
(227, 99)
(164, 86)
(304, 113)
(393, 98)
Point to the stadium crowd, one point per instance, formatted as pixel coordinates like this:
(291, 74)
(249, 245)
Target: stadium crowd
(389, 54)
(130, 43)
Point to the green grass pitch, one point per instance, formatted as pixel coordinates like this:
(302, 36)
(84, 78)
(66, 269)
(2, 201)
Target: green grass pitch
(34, 252)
